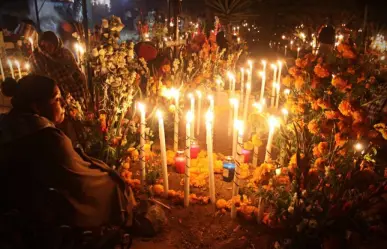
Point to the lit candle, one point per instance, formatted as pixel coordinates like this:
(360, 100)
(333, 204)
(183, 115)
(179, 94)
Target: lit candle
(199, 112)
(291, 44)
(31, 43)
(242, 84)
(27, 67)
(188, 158)
(141, 107)
(2, 69)
(286, 47)
(278, 86)
(175, 94)
(273, 123)
(259, 107)
(287, 92)
(285, 112)
(274, 67)
(192, 99)
(11, 68)
(298, 52)
(212, 108)
(246, 106)
(235, 104)
(163, 151)
(263, 75)
(18, 68)
(180, 162)
(77, 51)
(235, 187)
(209, 127)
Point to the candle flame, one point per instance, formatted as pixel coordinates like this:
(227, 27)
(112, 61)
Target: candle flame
(298, 49)
(174, 92)
(199, 93)
(259, 106)
(358, 146)
(238, 124)
(190, 95)
(210, 97)
(261, 73)
(17, 63)
(273, 66)
(287, 91)
(159, 114)
(248, 85)
(279, 63)
(264, 63)
(190, 117)
(278, 171)
(273, 122)
(141, 107)
(250, 62)
(285, 111)
(234, 101)
(209, 116)
(27, 66)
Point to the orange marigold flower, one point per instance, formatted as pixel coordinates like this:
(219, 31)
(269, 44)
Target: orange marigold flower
(346, 51)
(324, 104)
(287, 81)
(361, 78)
(331, 115)
(340, 83)
(319, 164)
(323, 147)
(320, 71)
(316, 151)
(302, 63)
(340, 140)
(314, 105)
(294, 71)
(345, 108)
(313, 126)
(315, 82)
(357, 116)
(351, 70)
(299, 82)
(166, 68)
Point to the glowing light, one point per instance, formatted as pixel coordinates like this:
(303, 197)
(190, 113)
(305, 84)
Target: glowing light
(189, 117)
(287, 91)
(159, 114)
(278, 171)
(273, 122)
(259, 106)
(285, 112)
(209, 116)
(358, 146)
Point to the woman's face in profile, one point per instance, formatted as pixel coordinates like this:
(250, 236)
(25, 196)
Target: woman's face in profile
(55, 111)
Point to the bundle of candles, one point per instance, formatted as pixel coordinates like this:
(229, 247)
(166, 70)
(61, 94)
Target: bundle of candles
(238, 125)
(11, 64)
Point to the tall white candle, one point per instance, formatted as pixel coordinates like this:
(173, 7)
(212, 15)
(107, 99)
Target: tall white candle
(31, 43)
(212, 109)
(209, 127)
(188, 158)
(141, 108)
(263, 75)
(273, 123)
(192, 99)
(259, 107)
(238, 161)
(11, 68)
(235, 105)
(230, 120)
(175, 93)
(246, 106)
(2, 69)
(274, 67)
(250, 73)
(278, 83)
(199, 112)
(163, 151)
(242, 84)
(76, 47)
(18, 68)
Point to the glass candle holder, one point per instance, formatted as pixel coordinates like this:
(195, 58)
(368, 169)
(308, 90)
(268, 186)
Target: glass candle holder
(180, 161)
(246, 155)
(195, 149)
(228, 169)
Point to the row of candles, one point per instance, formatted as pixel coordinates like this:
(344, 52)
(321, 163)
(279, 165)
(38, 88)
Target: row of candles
(238, 127)
(11, 68)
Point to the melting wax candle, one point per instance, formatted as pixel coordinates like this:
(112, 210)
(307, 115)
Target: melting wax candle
(195, 149)
(180, 162)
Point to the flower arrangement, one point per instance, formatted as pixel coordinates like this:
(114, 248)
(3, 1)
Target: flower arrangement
(327, 175)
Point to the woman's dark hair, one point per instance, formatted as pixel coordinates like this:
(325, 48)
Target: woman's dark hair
(50, 37)
(28, 90)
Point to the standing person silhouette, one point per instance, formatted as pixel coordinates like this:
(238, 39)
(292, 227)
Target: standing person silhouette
(326, 36)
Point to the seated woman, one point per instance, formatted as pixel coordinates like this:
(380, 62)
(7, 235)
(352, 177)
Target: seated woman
(36, 157)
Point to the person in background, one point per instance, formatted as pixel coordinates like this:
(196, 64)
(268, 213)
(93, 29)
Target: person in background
(326, 37)
(51, 59)
(37, 158)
